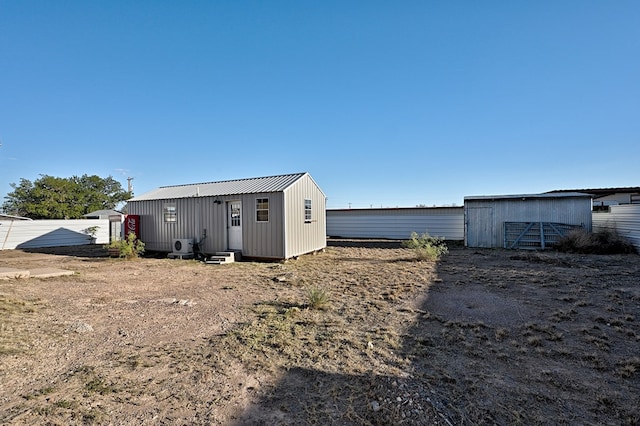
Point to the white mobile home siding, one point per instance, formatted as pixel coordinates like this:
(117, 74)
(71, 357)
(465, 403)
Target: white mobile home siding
(51, 233)
(624, 219)
(485, 216)
(398, 223)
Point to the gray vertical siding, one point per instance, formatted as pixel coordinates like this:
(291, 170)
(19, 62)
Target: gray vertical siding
(263, 239)
(211, 219)
(398, 223)
(302, 237)
(624, 219)
(568, 210)
(193, 216)
(284, 235)
(153, 233)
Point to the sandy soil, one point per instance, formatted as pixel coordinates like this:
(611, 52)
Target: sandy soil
(481, 336)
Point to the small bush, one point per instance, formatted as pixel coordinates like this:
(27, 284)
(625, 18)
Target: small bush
(318, 298)
(601, 242)
(128, 248)
(426, 247)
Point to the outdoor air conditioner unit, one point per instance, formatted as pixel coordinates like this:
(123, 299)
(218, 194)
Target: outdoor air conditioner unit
(183, 245)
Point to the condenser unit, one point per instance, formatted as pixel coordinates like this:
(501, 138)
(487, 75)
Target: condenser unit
(183, 246)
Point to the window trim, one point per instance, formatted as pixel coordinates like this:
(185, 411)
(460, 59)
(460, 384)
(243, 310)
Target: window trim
(308, 211)
(259, 210)
(169, 213)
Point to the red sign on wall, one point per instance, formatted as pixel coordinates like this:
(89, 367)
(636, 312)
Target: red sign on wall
(132, 224)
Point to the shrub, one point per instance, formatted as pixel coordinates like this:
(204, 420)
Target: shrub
(128, 248)
(91, 232)
(600, 242)
(318, 298)
(426, 247)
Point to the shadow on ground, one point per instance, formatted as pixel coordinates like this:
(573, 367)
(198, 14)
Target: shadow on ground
(87, 250)
(307, 396)
(499, 339)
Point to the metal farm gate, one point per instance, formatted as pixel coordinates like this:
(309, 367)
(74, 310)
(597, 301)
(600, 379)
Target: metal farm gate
(534, 235)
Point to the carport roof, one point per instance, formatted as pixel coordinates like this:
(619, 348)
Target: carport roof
(101, 214)
(228, 187)
(600, 192)
(528, 196)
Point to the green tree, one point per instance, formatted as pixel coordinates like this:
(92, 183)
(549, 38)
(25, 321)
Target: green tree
(63, 198)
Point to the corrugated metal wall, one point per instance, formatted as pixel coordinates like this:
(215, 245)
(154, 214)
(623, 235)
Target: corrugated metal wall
(284, 235)
(51, 233)
(447, 222)
(304, 236)
(193, 216)
(151, 229)
(624, 219)
(263, 239)
(484, 218)
(210, 220)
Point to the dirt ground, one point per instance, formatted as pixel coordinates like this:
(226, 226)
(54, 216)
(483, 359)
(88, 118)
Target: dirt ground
(479, 337)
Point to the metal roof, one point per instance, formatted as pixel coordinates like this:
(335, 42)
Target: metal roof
(12, 217)
(389, 209)
(102, 214)
(601, 191)
(221, 188)
(528, 196)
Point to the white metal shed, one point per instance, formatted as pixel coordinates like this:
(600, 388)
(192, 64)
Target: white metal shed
(519, 220)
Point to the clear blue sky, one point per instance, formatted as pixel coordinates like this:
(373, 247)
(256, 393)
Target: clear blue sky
(385, 103)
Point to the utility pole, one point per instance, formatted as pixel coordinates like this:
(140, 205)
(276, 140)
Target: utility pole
(129, 185)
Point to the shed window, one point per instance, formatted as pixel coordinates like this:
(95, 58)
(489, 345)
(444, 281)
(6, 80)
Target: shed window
(169, 214)
(262, 210)
(307, 211)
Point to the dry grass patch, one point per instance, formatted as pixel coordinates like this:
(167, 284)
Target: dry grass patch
(478, 337)
(13, 314)
(318, 298)
(629, 367)
(600, 242)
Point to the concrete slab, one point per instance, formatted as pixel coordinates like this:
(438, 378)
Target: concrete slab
(49, 272)
(7, 273)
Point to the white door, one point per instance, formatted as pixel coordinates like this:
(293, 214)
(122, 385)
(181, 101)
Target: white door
(234, 220)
